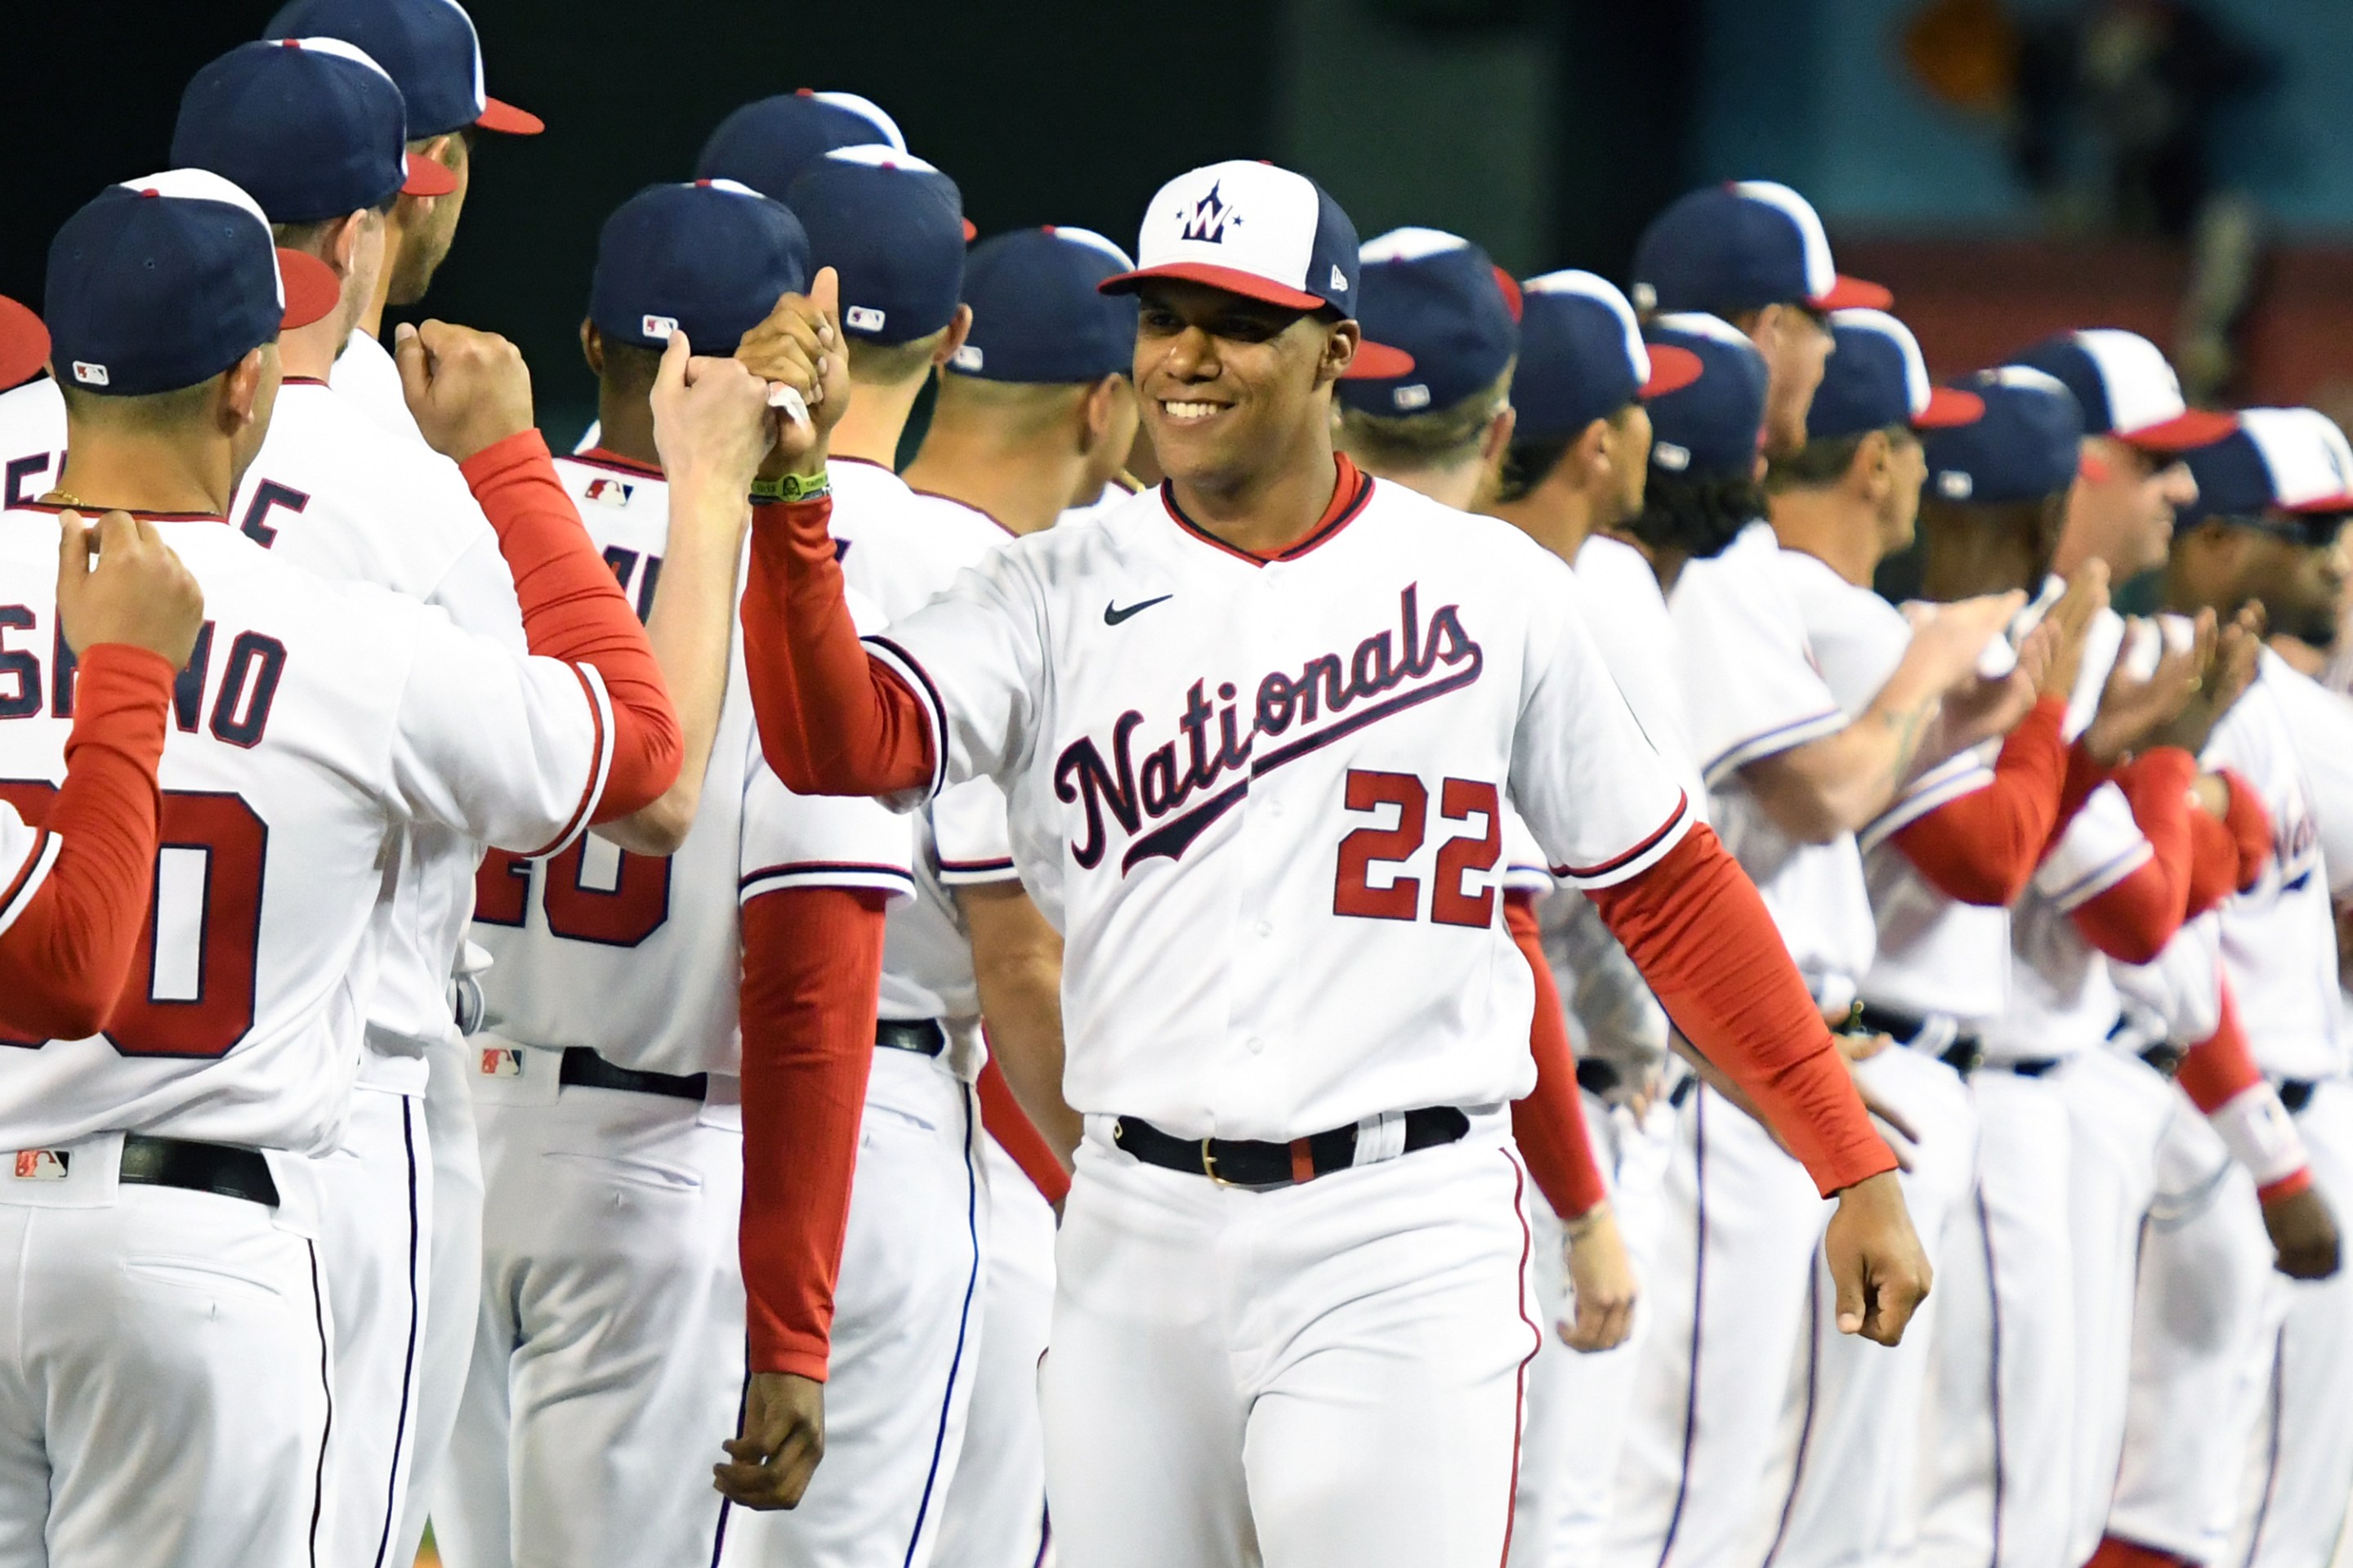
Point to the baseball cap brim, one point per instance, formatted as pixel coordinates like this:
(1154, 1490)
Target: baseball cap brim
(1373, 361)
(507, 120)
(312, 290)
(971, 231)
(24, 343)
(1949, 406)
(1672, 370)
(1853, 294)
(2186, 431)
(428, 177)
(2341, 501)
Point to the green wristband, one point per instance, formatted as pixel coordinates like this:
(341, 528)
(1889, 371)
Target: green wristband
(793, 487)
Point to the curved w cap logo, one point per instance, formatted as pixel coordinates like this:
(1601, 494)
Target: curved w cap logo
(1208, 220)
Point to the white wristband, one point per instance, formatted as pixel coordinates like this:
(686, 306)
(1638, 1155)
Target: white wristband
(2260, 1134)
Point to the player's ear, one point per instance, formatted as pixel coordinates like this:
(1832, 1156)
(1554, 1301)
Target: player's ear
(240, 397)
(1340, 342)
(959, 328)
(1595, 452)
(1498, 439)
(1095, 414)
(592, 347)
(1872, 467)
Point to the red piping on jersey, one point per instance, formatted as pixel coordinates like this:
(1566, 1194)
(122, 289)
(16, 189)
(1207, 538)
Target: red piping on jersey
(596, 768)
(301, 381)
(597, 457)
(1350, 491)
(1649, 843)
(1011, 530)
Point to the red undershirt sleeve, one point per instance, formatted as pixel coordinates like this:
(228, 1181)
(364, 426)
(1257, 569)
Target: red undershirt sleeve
(2133, 920)
(64, 959)
(2250, 826)
(832, 721)
(574, 609)
(812, 963)
(1549, 1125)
(1983, 848)
(1696, 927)
(1008, 1123)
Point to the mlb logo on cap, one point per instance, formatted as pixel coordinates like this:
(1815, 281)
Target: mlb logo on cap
(893, 227)
(765, 143)
(1436, 297)
(710, 259)
(1265, 233)
(1741, 247)
(2127, 389)
(1709, 428)
(2278, 460)
(2025, 443)
(1582, 357)
(1037, 314)
(1875, 378)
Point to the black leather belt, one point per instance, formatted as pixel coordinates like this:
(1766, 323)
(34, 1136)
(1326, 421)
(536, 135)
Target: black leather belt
(1242, 1162)
(2031, 1068)
(923, 1036)
(2296, 1094)
(1965, 1055)
(218, 1168)
(584, 1069)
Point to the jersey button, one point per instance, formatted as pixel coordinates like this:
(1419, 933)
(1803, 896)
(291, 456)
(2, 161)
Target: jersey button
(1254, 1044)
(1265, 928)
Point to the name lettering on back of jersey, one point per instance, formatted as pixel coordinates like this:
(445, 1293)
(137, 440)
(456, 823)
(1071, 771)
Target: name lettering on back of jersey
(243, 696)
(1328, 698)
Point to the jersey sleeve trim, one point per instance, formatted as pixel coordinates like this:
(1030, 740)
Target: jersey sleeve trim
(18, 894)
(911, 672)
(1931, 793)
(1652, 847)
(890, 879)
(1772, 743)
(600, 761)
(973, 873)
(2102, 878)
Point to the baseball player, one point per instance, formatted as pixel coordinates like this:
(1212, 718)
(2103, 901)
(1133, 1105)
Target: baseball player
(1753, 252)
(175, 1344)
(1296, 1234)
(1033, 408)
(620, 1137)
(909, 1326)
(73, 891)
(1035, 415)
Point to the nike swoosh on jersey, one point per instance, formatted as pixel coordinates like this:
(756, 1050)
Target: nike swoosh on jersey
(1114, 615)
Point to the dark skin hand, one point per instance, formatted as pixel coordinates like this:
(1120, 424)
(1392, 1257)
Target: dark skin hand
(2304, 1234)
(783, 1437)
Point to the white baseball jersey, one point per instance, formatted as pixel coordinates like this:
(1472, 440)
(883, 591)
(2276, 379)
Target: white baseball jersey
(1936, 957)
(635, 957)
(2279, 937)
(1115, 496)
(1273, 790)
(366, 373)
(900, 549)
(26, 857)
(32, 441)
(1632, 627)
(1753, 689)
(315, 721)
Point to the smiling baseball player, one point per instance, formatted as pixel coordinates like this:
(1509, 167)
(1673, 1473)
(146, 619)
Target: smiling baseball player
(1296, 1235)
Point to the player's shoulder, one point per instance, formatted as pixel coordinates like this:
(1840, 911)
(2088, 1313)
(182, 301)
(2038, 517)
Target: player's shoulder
(1401, 514)
(32, 415)
(958, 527)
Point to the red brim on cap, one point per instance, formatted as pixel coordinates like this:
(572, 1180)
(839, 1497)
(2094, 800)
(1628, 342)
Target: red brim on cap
(1853, 294)
(2342, 502)
(1377, 362)
(971, 231)
(428, 177)
(1232, 280)
(312, 290)
(1509, 288)
(1672, 370)
(1948, 406)
(2186, 431)
(507, 120)
(23, 343)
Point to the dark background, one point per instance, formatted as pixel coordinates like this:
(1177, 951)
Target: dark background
(1046, 111)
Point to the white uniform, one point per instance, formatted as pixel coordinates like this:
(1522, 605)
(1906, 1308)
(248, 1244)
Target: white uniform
(1731, 1292)
(28, 856)
(1115, 494)
(366, 373)
(908, 1325)
(32, 441)
(1305, 758)
(609, 1350)
(315, 722)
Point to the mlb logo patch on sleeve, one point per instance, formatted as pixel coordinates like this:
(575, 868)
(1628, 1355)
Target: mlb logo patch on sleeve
(42, 1164)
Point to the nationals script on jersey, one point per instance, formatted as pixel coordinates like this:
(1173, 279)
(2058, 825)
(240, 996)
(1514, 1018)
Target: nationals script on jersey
(1275, 793)
(314, 722)
(636, 957)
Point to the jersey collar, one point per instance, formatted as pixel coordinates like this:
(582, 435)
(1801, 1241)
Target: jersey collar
(597, 457)
(1351, 490)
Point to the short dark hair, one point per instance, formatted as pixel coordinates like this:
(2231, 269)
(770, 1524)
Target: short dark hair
(1528, 463)
(1430, 438)
(1698, 515)
(304, 235)
(630, 368)
(1824, 460)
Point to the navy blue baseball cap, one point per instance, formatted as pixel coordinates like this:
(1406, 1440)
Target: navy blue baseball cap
(1582, 357)
(427, 46)
(1875, 377)
(2127, 389)
(1440, 298)
(2025, 445)
(1710, 429)
(1036, 315)
(1264, 233)
(892, 226)
(708, 258)
(310, 128)
(2278, 460)
(1740, 247)
(23, 343)
(769, 141)
(163, 282)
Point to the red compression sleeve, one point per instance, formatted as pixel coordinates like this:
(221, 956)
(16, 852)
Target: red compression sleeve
(1008, 1123)
(812, 962)
(2085, 774)
(1983, 847)
(64, 959)
(1549, 1125)
(2133, 920)
(1696, 927)
(832, 721)
(574, 611)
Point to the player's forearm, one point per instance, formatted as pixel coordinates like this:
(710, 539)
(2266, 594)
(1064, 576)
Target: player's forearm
(1836, 785)
(832, 721)
(812, 965)
(2220, 1075)
(1549, 1123)
(1983, 847)
(1696, 927)
(575, 611)
(2132, 921)
(64, 959)
(1017, 961)
(692, 629)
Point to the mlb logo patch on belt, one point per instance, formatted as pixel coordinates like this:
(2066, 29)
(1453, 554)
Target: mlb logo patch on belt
(501, 1064)
(42, 1164)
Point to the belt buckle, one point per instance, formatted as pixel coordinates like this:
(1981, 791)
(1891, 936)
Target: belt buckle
(1209, 1165)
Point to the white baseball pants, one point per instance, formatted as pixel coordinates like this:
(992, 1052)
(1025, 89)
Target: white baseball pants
(453, 1281)
(1328, 1375)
